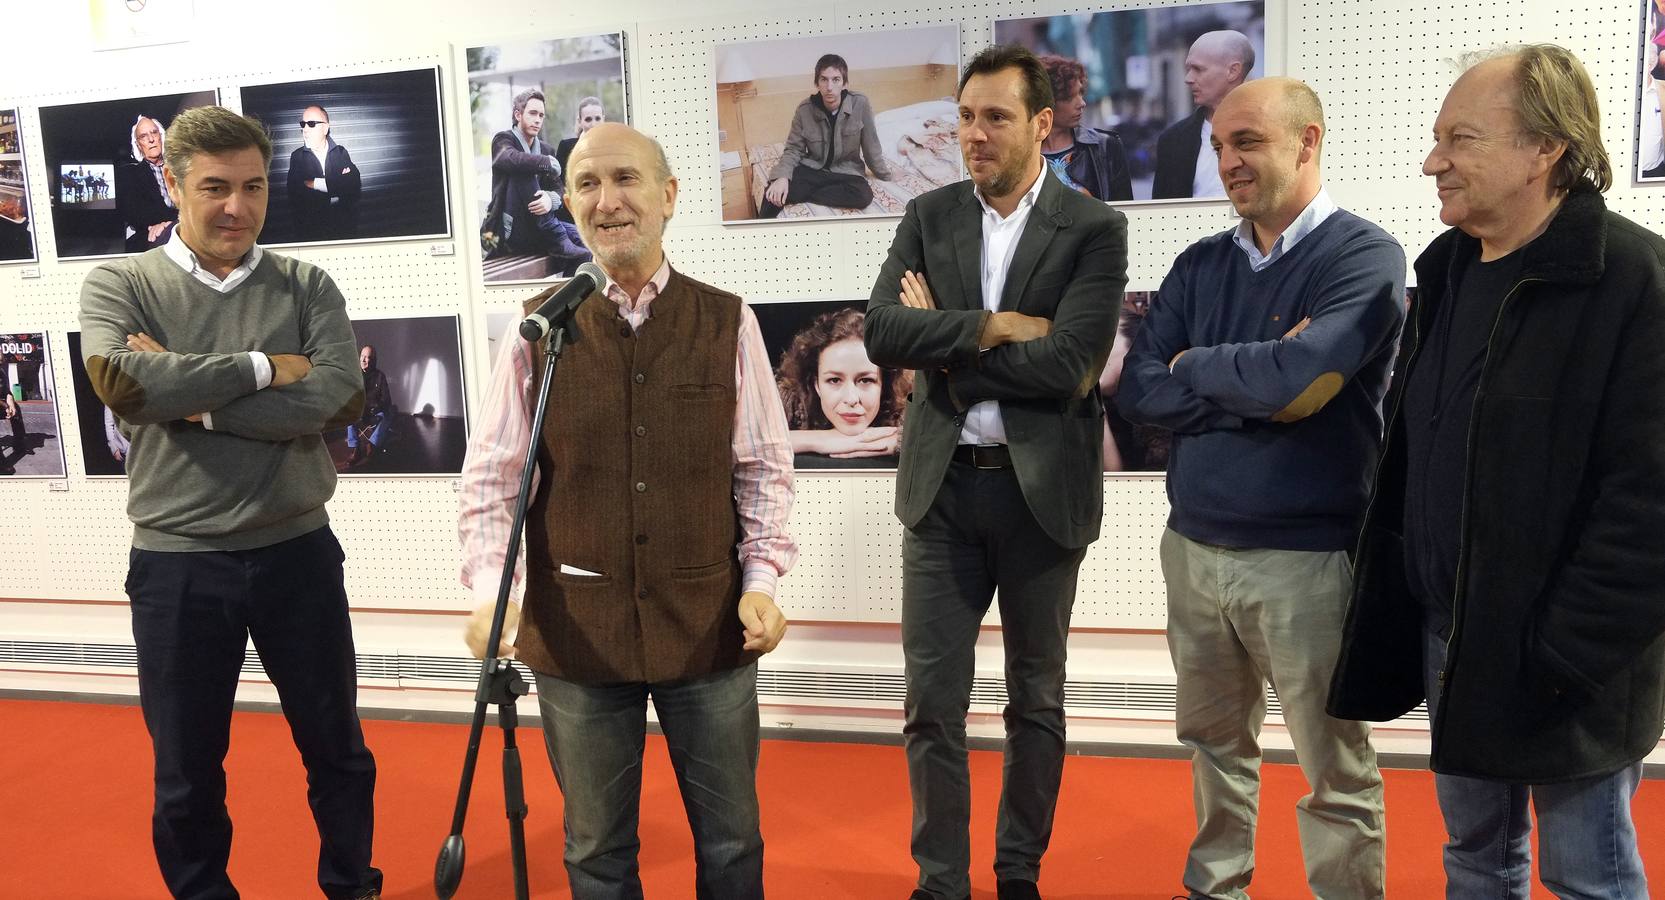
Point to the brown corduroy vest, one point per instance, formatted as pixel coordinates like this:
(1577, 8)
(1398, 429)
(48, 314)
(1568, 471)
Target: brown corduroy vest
(637, 472)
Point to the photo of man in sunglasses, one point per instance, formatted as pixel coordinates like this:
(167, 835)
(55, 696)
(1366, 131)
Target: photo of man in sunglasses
(323, 183)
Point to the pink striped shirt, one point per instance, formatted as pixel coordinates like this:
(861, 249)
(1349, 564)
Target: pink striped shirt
(497, 449)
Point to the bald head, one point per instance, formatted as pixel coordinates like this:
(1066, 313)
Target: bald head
(1218, 62)
(1267, 134)
(1278, 100)
(616, 136)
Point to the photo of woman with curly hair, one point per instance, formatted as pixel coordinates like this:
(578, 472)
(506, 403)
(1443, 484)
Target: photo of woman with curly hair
(843, 410)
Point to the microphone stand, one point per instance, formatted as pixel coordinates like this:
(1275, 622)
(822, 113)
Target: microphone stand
(500, 683)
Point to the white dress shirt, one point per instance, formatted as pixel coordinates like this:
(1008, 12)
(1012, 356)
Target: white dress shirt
(1205, 180)
(321, 183)
(983, 424)
(180, 253)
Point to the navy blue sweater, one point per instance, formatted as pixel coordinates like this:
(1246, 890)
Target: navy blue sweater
(1275, 438)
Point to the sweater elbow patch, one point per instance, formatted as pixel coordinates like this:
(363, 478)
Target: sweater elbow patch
(1321, 391)
(119, 390)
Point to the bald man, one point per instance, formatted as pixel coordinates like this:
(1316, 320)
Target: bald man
(654, 540)
(323, 184)
(1268, 358)
(1218, 62)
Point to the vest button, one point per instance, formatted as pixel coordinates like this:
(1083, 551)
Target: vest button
(641, 430)
(624, 331)
(641, 539)
(640, 377)
(641, 487)
(641, 594)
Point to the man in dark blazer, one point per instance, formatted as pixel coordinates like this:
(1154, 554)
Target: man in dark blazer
(1217, 62)
(146, 209)
(1004, 292)
(526, 191)
(323, 184)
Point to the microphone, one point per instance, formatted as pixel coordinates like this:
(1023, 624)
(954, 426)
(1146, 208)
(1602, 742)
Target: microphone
(562, 302)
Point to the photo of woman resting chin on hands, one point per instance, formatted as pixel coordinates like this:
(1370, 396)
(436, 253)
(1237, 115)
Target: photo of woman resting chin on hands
(844, 411)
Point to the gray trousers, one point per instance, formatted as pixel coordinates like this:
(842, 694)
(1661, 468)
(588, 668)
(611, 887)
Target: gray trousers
(1237, 620)
(978, 537)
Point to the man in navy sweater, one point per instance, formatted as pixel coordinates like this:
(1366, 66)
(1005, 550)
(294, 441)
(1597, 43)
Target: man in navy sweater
(1267, 352)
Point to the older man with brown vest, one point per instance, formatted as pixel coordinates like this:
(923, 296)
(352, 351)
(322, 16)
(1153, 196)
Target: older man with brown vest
(655, 536)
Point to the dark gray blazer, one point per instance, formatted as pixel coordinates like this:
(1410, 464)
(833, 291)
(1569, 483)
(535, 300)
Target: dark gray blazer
(1070, 266)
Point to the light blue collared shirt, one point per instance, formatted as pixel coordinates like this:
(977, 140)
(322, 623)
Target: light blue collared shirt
(1310, 218)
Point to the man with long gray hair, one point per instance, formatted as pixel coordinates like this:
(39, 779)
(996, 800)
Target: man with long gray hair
(1513, 550)
(228, 476)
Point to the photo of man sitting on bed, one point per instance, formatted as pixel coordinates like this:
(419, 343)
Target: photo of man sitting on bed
(879, 128)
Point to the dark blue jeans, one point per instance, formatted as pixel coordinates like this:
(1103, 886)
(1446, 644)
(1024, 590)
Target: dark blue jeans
(193, 615)
(1587, 839)
(595, 736)
(979, 538)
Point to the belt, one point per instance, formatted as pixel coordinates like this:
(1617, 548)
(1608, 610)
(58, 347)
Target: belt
(984, 456)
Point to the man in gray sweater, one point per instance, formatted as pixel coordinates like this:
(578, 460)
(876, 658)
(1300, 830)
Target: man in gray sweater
(225, 364)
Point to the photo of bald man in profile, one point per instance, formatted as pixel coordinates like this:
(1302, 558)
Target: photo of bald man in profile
(1185, 166)
(1135, 92)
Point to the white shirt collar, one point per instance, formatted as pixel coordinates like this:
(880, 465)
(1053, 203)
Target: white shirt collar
(1321, 208)
(1027, 200)
(182, 255)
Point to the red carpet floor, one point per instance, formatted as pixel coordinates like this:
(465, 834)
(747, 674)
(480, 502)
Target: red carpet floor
(75, 800)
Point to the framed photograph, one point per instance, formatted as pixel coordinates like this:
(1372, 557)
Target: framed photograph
(17, 229)
(836, 125)
(29, 442)
(354, 158)
(1135, 90)
(103, 442)
(104, 169)
(1650, 101)
(843, 411)
(415, 419)
(1129, 449)
(528, 103)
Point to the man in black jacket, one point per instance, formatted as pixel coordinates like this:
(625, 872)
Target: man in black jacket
(144, 204)
(1513, 553)
(525, 191)
(323, 183)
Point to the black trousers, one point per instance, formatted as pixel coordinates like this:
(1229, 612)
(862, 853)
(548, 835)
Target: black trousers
(980, 536)
(809, 185)
(193, 614)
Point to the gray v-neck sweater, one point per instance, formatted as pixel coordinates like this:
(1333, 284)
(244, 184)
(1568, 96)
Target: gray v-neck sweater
(263, 474)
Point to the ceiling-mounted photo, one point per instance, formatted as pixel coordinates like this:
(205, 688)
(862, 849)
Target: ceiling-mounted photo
(17, 228)
(1134, 92)
(836, 125)
(354, 158)
(1650, 105)
(104, 172)
(529, 102)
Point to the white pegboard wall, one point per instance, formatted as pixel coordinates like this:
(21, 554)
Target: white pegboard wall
(1381, 73)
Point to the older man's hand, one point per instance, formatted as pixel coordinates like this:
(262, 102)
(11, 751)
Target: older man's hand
(479, 630)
